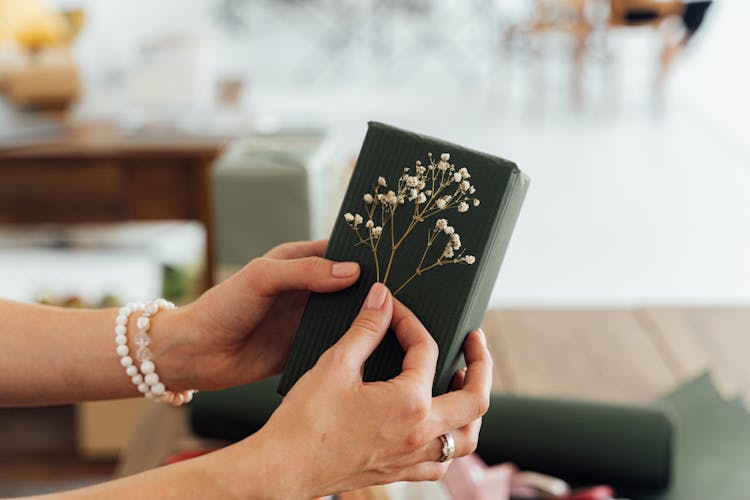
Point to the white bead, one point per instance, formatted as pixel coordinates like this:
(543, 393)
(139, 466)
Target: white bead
(152, 308)
(147, 367)
(152, 378)
(121, 330)
(122, 350)
(142, 387)
(188, 396)
(167, 397)
(126, 361)
(179, 398)
(121, 320)
(170, 305)
(132, 370)
(137, 379)
(158, 389)
(161, 303)
(121, 339)
(150, 395)
(143, 323)
(125, 311)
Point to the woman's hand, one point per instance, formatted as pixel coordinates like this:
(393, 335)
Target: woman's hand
(242, 329)
(333, 432)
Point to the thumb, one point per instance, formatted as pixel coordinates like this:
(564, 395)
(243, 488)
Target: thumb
(368, 328)
(272, 276)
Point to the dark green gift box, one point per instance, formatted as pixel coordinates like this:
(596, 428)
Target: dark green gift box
(449, 299)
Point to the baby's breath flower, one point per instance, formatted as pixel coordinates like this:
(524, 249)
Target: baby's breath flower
(455, 241)
(413, 193)
(443, 166)
(357, 219)
(421, 185)
(421, 198)
(391, 198)
(412, 181)
(449, 230)
(448, 198)
(368, 198)
(464, 173)
(369, 224)
(448, 251)
(445, 156)
(463, 207)
(441, 224)
(348, 217)
(465, 185)
(472, 190)
(440, 203)
(475, 202)
(456, 177)
(381, 181)
(420, 169)
(401, 200)
(470, 259)
(381, 197)
(376, 231)
(428, 192)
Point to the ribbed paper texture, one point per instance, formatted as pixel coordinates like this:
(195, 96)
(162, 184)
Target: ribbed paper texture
(450, 300)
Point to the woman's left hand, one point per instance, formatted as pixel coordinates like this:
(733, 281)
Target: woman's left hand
(242, 329)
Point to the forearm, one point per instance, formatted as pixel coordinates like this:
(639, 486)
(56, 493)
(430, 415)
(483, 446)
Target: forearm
(53, 355)
(237, 471)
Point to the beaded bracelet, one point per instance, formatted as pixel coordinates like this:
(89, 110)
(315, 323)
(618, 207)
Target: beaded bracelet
(145, 379)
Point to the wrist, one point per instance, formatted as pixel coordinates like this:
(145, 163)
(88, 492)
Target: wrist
(172, 348)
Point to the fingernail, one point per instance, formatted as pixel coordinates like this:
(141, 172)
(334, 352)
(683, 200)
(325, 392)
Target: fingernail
(344, 269)
(482, 336)
(376, 297)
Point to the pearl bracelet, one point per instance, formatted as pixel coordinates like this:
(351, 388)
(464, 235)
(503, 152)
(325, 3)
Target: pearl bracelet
(145, 379)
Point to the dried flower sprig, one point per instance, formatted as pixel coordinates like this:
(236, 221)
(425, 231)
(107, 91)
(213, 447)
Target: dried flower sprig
(438, 187)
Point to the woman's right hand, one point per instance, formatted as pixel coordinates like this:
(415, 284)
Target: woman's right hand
(333, 432)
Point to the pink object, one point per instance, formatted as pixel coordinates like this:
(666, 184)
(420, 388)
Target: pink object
(469, 478)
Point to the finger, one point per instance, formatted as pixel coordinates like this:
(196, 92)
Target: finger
(421, 350)
(465, 441)
(456, 409)
(424, 471)
(298, 249)
(367, 330)
(458, 379)
(273, 276)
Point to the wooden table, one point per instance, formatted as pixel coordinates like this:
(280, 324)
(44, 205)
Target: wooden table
(96, 173)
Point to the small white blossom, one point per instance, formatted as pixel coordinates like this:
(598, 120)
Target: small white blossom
(449, 230)
(472, 190)
(448, 251)
(348, 217)
(412, 181)
(368, 198)
(421, 185)
(465, 185)
(413, 194)
(463, 207)
(391, 198)
(456, 177)
(443, 166)
(441, 224)
(381, 181)
(428, 192)
(357, 219)
(369, 224)
(475, 202)
(447, 198)
(376, 231)
(455, 241)
(381, 197)
(445, 156)
(401, 200)
(421, 198)
(440, 203)
(464, 173)
(420, 169)
(470, 259)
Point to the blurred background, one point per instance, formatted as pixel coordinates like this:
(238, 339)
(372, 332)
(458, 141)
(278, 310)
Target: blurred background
(142, 144)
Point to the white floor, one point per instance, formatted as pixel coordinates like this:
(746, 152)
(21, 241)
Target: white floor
(630, 203)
